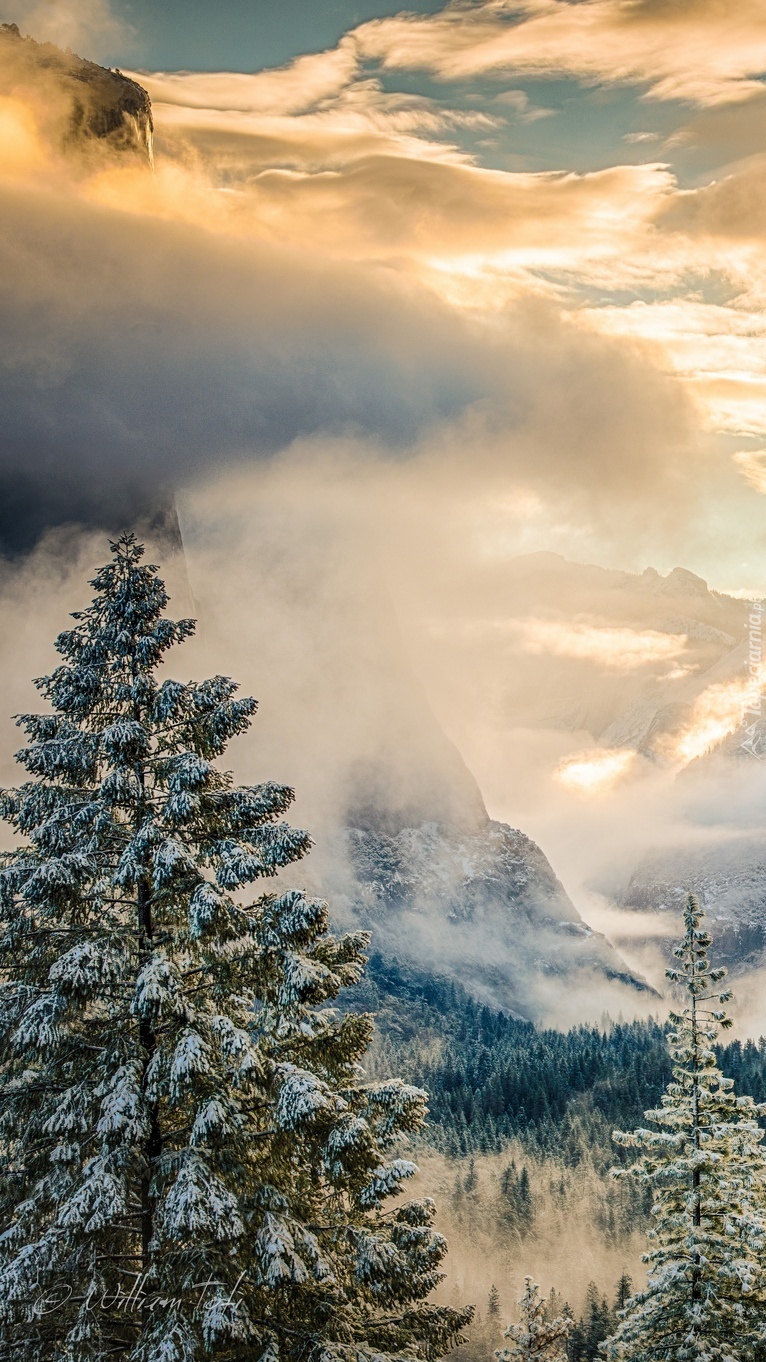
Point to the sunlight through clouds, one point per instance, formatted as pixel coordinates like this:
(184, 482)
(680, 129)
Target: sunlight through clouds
(617, 649)
(594, 773)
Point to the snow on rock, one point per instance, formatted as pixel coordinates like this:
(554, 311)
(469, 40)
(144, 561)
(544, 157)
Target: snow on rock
(480, 901)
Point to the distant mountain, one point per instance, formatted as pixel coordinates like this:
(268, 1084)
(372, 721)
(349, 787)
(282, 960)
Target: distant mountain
(445, 887)
(482, 904)
(79, 102)
(618, 701)
(728, 875)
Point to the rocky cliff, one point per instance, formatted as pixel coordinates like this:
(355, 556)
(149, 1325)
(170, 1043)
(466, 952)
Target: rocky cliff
(80, 103)
(442, 885)
(483, 903)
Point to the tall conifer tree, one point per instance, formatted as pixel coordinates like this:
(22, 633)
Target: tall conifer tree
(191, 1164)
(703, 1301)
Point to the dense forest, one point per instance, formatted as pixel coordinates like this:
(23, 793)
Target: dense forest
(493, 1078)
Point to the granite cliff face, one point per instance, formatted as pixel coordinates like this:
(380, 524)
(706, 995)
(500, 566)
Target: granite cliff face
(80, 102)
(482, 902)
(440, 884)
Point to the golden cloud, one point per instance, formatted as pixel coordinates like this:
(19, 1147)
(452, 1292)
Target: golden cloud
(618, 649)
(718, 351)
(368, 174)
(595, 771)
(694, 50)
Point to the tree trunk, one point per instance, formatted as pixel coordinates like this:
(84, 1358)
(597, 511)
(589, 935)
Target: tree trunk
(696, 1179)
(148, 1040)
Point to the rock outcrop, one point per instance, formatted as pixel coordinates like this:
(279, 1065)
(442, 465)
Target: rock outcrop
(419, 863)
(482, 902)
(80, 102)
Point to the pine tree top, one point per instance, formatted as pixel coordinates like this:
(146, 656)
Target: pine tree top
(535, 1337)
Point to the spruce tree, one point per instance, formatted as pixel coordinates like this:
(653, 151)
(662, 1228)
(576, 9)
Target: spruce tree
(623, 1291)
(191, 1164)
(535, 1338)
(705, 1166)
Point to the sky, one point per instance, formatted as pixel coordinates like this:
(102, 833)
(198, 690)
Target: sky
(548, 213)
(406, 297)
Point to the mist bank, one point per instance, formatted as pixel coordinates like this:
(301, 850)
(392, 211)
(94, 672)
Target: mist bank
(298, 584)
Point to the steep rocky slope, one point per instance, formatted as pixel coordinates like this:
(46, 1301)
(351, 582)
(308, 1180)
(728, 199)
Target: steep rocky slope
(482, 902)
(78, 103)
(419, 863)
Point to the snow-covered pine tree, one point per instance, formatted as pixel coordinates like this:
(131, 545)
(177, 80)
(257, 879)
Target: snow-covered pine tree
(190, 1161)
(535, 1338)
(703, 1301)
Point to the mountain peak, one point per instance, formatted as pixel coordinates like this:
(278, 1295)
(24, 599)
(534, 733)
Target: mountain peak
(100, 106)
(681, 582)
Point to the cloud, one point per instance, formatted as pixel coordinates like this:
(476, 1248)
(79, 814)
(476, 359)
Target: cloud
(83, 25)
(689, 50)
(316, 258)
(729, 208)
(618, 649)
(280, 91)
(368, 174)
(724, 133)
(595, 772)
(752, 464)
(154, 327)
(317, 112)
(164, 349)
(442, 213)
(718, 351)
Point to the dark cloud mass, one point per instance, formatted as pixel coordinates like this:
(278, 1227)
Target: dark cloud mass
(138, 352)
(153, 331)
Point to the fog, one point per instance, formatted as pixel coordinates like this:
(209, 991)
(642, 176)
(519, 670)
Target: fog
(297, 573)
(568, 1248)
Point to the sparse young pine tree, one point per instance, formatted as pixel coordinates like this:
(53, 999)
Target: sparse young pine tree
(535, 1338)
(190, 1161)
(493, 1301)
(705, 1165)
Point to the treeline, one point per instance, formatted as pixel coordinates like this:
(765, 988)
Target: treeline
(492, 1078)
